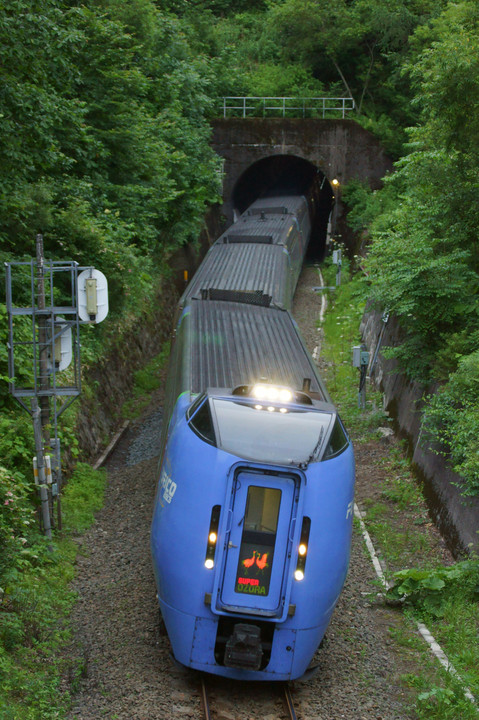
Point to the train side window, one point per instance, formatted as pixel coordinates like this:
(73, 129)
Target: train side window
(202, 424)
(338, 441)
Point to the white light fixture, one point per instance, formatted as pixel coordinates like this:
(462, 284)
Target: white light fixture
(272, 393)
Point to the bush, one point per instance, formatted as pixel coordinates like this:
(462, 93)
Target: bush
(428, 590)
(451, 418)
(17, 525)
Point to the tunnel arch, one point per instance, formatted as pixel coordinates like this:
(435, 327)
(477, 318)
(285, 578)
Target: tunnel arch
(341, 149)
(287, 175)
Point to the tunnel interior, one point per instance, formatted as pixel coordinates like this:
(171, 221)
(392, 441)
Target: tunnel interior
(287, 175)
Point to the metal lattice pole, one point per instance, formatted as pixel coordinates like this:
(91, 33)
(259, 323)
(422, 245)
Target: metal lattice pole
(42, 484)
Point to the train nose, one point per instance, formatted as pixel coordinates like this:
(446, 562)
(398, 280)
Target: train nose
(244, 648)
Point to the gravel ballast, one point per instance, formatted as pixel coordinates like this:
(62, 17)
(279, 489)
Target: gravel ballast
(124, 669)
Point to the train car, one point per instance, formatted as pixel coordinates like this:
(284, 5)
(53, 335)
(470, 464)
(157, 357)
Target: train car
(253, 514)
(262, 253)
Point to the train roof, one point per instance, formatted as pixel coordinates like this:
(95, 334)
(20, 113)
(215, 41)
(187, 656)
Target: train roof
(246, 272)
(234, 344)
(267, 221)
(265, 229)
(291, 204)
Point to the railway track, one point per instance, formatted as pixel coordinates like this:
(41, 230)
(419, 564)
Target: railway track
(285, 694)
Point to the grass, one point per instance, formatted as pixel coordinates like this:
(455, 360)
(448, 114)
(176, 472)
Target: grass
(439, 696)
(398, 521)
(34, 612)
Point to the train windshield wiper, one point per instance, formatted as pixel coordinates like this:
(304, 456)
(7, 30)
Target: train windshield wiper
(316, 447)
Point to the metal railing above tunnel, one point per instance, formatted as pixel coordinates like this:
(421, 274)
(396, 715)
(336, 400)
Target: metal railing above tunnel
(324, 107)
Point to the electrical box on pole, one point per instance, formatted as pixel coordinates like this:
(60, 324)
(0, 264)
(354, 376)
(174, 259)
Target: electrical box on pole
(92, 296)
(337, 260)
(62, 346)
(361, 361)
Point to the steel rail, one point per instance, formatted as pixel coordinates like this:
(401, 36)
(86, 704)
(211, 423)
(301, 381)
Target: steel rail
(285, 696)
(288, 701)
(204, 700)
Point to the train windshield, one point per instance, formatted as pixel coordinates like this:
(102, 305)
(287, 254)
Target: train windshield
(270, 434)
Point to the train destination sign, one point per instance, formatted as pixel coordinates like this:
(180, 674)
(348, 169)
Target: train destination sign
(254, 569)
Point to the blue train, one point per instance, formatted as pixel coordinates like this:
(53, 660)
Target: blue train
(253, 514)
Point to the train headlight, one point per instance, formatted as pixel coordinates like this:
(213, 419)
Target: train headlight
(260, 391)
(272, 393)
(302, 549)
(212, 537)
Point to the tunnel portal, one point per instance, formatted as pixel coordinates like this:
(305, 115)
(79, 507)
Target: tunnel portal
(340, 149)
(287, 175)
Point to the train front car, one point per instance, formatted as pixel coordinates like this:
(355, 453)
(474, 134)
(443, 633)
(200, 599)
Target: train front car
(253, 517)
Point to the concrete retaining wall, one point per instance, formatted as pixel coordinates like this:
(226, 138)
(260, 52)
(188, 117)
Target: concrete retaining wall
(113, 376)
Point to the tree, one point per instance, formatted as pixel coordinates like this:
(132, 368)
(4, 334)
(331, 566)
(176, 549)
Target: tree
(424, 259)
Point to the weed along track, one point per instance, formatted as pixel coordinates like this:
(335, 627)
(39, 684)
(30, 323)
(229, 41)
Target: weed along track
(123, 669)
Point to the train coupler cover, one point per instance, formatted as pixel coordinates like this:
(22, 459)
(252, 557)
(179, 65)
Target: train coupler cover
(244, 648)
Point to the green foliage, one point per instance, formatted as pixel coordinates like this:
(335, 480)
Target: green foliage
(365, 205)
(444, 703)
(83, 497)
(104, 135)
(424, 259)
(269, 79)
(451, 420)
(428, 590)
(353, 48)
(36, 598)
(17, 525)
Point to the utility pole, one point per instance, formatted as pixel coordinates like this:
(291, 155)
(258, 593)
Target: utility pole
(43, 342)
(42, 484)
(41, 415)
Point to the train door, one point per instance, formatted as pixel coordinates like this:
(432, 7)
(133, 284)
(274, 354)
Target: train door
(258, 539)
